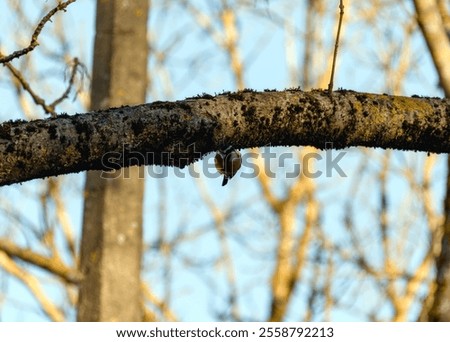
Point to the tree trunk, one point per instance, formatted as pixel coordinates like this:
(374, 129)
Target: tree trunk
(111, 245)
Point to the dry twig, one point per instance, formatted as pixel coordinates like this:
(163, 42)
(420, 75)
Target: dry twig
(34, 38)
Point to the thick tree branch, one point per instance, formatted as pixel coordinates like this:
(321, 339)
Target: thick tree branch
(179, 133)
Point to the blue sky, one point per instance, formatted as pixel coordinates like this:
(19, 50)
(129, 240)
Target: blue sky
(195, 65)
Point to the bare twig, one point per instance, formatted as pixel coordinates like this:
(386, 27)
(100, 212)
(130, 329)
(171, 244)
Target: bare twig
(34, 38)
(48, 108)
(76, 66)
(25, 85)
(341, 15)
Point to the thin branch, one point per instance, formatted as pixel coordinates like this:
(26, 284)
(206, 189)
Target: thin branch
(341, 15)
(51, 264)
(230, 44)
(26, 86)
(77, 66)
(33, 285)
(433, 29)
(161, 305)
(34, 38)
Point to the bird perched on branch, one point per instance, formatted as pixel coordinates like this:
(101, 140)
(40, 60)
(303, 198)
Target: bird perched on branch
(228, 162)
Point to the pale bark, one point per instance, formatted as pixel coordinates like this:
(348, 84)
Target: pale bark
(111, 246)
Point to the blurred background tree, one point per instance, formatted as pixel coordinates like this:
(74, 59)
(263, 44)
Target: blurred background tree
(357, 247)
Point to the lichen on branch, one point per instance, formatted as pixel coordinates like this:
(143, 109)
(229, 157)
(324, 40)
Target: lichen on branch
(181, 132)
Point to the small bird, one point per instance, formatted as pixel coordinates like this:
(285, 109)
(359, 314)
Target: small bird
(228, 162)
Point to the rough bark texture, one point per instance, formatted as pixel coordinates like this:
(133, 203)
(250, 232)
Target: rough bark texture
(111, 247)
(179, 133)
